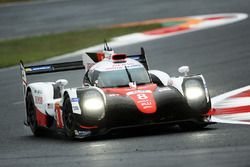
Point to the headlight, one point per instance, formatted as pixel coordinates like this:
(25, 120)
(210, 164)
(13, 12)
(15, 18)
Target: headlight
(93, 105)
(194, 93)
(193, 89)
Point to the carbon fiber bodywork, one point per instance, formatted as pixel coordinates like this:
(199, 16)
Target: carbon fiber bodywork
(121, 111)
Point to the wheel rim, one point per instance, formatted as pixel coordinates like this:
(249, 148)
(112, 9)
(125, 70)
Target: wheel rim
(68, 117)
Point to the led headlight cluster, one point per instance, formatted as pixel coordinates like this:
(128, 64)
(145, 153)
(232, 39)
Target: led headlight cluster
(195, 93)
(93, 105)
(193, 90)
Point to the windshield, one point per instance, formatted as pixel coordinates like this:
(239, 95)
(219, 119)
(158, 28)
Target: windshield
(120, 78)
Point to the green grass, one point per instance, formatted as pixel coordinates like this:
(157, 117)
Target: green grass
(41, 47)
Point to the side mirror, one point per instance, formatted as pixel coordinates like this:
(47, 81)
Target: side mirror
(96, 82)
(183, 70)
(62, 82)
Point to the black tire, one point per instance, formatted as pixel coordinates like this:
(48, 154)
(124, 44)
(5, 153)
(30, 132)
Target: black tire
(68, 118)
(31, 116)
(192, 126)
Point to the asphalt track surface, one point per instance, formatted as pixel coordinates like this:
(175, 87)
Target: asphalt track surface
(222, 54)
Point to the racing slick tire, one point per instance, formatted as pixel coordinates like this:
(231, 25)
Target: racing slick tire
(31, 116)
(68, 118)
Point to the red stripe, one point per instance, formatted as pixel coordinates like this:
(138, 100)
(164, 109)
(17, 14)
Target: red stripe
(218, 18)
(59, 121)
(166, 30)
(245, 120)
(88, 127)
(242, 94)
(235, 110)
(211, 112)
(41, 118)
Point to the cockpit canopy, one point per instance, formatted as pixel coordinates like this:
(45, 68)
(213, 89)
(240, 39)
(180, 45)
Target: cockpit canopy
(118, 78)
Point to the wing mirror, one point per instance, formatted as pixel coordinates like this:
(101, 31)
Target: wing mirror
(96, 82)
(184, 70)
(62, 83)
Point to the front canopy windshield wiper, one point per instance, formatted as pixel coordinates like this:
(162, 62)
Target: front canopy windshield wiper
(129, 75)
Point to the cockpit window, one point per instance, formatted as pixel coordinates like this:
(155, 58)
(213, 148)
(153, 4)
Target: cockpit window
(120, 78)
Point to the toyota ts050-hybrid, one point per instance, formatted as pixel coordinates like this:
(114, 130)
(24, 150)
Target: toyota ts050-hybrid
(118, 90)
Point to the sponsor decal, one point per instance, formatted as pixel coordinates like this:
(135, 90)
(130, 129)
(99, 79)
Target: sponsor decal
(75, 100)
(144, 101)
(138, 91)
(122, 66)
(75, 108)
(75, 105)
(38, 68)
(38, 91)
(82, 133)
(38, 100)
(142, 96)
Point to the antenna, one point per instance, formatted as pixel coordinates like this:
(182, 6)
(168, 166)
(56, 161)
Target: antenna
(106, 47)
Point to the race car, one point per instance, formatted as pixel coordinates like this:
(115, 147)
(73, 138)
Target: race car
(118, 91)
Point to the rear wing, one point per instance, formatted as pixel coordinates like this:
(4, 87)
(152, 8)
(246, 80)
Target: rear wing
(47, 68)
(86, 62)
(141, 58)
(97, 57)
(50, 68)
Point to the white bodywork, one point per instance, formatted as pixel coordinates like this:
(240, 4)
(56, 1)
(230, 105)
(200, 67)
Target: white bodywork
(167, 80)
(43, 94)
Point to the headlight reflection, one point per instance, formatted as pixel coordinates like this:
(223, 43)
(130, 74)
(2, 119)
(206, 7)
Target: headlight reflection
(194, 93)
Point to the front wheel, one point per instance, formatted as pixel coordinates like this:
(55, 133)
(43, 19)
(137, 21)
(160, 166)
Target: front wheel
(68, 118)
(31, 116)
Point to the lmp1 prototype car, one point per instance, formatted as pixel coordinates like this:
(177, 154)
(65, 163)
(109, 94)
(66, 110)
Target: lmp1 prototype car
(118, 91)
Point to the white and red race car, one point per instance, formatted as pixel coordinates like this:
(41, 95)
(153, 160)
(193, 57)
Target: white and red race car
(118, 91)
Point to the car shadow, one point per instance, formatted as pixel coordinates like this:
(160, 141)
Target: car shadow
(136, 132)
(116, 134)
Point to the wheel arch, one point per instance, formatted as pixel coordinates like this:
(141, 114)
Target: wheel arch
(159, 77)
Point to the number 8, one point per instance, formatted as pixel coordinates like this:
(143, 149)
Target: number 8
(142, 96)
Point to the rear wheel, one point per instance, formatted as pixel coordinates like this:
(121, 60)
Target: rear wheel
(31, 115)
(68, 118)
